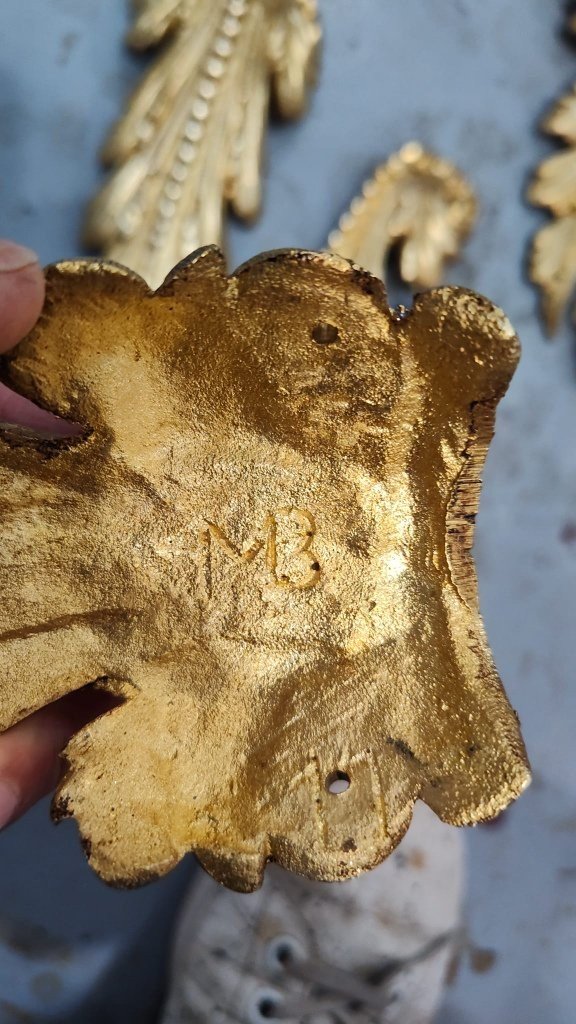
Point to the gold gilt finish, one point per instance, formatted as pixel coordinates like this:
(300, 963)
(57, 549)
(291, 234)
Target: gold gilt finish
(415, 201)
(192, 136)
(263, 543)
(553, 256)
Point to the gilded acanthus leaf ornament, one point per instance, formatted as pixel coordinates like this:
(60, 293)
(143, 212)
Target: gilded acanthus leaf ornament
(192, 136)
(416, 201)
(553, 256)
(262, 543)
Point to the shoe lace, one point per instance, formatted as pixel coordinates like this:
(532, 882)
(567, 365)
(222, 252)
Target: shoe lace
(330, 986)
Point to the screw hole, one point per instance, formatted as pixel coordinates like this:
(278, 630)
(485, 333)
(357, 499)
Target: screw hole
(325, 334)
(338, 782)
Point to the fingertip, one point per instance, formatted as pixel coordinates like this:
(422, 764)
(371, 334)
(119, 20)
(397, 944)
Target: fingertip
(31, 764)
(10, 802)
(22, 291)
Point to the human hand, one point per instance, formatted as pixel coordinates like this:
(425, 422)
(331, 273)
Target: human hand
(30, 765)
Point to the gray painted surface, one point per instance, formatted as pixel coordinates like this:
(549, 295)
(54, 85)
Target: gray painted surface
(470, 80)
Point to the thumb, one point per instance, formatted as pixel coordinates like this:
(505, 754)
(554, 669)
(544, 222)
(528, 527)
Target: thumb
(21, 300)
(21, 292)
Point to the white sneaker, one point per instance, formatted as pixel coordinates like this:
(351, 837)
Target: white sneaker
(371, 950)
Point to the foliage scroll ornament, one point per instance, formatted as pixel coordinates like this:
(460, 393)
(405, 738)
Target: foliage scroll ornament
(190, 141)
(417, 203)
(262, 544)
(553, 254)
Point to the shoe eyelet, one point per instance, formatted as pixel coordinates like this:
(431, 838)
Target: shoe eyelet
(281, 951)
(264, 1003)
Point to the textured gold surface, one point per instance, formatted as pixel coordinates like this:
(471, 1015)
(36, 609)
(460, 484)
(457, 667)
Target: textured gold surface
(192, 136)
(416, 202)
(553, 257)
(553, 254)
(263, 542)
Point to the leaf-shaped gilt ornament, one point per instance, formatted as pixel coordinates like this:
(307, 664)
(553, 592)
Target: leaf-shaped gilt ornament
(191, 138)
(262, 542)
(553, 256)
(416, 201)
